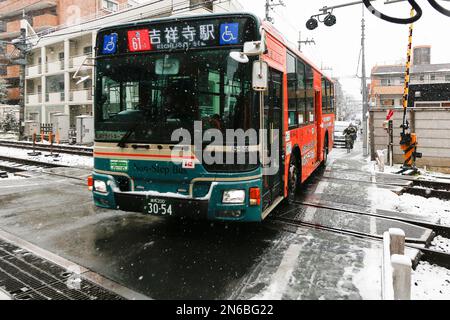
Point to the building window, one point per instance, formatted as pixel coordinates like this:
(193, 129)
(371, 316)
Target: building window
(422, 78)
(110, 5)
(33, 116)
(387, 102)
(2, 26)
(433, 77)
(3, 70)
(447, 77)
(207, 4)
(87, 50)
(61, 56)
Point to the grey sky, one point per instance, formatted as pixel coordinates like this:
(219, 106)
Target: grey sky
(338, 46)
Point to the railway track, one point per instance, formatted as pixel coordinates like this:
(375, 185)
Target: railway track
(429, 189)
(429, 255)
(15, 165)
(439, 230)
(374, 183)
(74, 150)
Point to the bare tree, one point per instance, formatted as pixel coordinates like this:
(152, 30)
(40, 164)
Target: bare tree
(3, 91)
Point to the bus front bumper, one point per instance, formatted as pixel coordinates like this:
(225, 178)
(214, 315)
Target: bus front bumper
(172, 205)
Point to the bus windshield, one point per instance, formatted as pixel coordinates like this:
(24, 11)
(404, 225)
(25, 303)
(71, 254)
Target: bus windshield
(149, 96)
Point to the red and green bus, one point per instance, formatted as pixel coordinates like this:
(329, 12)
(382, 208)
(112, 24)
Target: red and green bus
(226, 73)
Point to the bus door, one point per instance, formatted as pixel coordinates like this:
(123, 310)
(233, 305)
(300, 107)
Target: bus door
(318, 119)
(273, 106)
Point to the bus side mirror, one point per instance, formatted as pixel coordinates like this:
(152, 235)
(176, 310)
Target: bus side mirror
(260, 76)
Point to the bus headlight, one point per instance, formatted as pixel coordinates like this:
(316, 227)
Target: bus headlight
(234, 197)
(100, 186)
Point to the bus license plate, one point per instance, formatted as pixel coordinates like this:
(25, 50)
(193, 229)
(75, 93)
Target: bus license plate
(159, 207)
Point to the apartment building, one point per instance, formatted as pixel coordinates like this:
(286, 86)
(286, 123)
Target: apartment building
(388, 81)
(429, 107)
(43, 16)
(50, 86)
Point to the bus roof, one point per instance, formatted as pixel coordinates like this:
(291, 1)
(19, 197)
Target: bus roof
(291, 47)
(181, 18)
(260, 23)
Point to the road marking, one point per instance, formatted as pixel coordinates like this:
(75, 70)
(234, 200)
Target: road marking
(321, 187)
(280, 280)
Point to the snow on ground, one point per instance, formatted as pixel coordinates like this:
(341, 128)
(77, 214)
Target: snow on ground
(430, 282)
(369, 277)
(433, 208)
(441, 244)
(8, 136)
(4, 296)
(12, 177)
(424, 173)
(64, 159)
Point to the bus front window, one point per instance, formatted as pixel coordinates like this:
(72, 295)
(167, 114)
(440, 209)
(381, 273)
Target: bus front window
(156, 94)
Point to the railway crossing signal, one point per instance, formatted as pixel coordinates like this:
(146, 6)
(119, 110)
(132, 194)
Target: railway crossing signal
(408, 142)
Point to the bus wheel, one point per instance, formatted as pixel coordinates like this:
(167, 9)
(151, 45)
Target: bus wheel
(293, 180)
(325, 153)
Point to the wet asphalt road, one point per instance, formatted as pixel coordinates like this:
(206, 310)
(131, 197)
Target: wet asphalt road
(172, 259)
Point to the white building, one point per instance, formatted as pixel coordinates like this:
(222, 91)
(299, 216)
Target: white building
(50, 87)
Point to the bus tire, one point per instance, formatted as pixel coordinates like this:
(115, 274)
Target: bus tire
(326, 151)
(294, 178)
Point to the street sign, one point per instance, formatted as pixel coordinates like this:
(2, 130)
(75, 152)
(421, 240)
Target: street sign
(390, 115)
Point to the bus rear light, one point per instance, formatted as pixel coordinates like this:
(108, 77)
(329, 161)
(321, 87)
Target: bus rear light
(255, 197)
(90, 183)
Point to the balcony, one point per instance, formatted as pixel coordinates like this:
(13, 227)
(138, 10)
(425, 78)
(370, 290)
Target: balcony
(77, 61)
(81, 96)
(54, 97)
(15, 8)
(55, 67)
(46, 20)
(34, 98)
(34, 71)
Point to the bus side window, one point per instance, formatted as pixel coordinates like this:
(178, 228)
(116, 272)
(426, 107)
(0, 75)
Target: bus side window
(310, 112)
(301, 93)
(325, 104)
(292, 91)
(332, 102)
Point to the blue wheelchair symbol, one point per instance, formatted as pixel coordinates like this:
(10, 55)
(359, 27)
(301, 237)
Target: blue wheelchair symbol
(110, 44)
(229, 33)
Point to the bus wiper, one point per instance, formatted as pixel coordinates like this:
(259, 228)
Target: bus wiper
(123, 142)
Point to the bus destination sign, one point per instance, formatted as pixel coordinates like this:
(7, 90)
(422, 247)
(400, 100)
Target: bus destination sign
(179, 35)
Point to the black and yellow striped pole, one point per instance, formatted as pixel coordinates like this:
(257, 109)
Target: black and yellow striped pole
(408, 141)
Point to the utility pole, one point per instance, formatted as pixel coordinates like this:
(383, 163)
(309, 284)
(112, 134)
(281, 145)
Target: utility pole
(22, 62)
(364, 86)
(306, 42)
(270, 5)
(19, 57)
